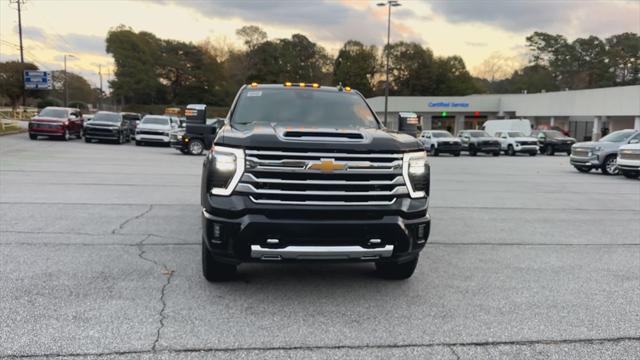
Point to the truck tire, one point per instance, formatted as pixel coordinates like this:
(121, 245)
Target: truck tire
(396, 271)
(215, 271)
(456, 154)
(79, 135)
(196, 147)
(511, 151)
(139, 143)
(583, 169)
(65, 135)
(549, 150)
(608, 166)
(473, 152)
(120, 139)
(533, 154)
(87, 140)
(497, 153)
(630, 174)
(33, 136)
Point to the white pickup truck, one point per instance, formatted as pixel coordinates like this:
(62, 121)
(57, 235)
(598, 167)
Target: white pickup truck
(513, 142)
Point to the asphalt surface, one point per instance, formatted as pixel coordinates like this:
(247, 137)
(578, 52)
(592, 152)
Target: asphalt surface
(100, 258)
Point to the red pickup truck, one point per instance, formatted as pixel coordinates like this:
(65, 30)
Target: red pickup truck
(57, 122)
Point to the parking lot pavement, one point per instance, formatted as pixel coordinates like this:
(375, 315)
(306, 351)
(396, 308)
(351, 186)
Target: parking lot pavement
(100, 258)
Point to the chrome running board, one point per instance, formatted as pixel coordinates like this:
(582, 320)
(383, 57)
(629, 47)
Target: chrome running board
(320, 253)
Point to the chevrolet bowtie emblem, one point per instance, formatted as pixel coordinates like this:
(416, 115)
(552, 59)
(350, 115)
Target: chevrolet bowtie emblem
(327, 165)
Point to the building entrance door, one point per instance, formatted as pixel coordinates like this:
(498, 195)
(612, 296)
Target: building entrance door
(443, 123)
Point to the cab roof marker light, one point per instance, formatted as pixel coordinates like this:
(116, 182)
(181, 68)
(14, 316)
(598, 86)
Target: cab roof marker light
(315, 85)
(347, 89)
(302, 84)
(254, 84)
(288, 84)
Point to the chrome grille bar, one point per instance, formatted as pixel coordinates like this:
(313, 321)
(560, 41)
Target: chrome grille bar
(308, 202)
(248, 188)
(398, 180)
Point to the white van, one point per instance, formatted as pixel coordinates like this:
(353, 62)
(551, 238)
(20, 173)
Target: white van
(521, 125)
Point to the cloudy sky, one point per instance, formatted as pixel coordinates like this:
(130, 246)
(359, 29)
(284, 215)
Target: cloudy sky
(474, 29)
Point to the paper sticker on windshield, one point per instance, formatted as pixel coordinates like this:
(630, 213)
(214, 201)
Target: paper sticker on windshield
(254, 93)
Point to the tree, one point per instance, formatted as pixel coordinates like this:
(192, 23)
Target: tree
(355, 66)
(251, 36)
(623, 56)
(497, 67)
(412, 70)
(80, 90)
(452, 78)
(11, 83)
(136, 56)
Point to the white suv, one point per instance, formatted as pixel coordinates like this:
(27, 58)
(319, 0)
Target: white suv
(440, 141)
(629, 159)
(512, 142)
(155, 129)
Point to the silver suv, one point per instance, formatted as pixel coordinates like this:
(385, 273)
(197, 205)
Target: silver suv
(602, 154)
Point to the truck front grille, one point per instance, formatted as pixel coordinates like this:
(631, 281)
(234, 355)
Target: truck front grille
(625, 155)
(322, 178)
(98, 131)
(580, 152)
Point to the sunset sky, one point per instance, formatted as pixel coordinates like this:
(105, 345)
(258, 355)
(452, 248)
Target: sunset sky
(471, 29)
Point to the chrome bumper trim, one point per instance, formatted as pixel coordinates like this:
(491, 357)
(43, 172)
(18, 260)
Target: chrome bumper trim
(320, 253)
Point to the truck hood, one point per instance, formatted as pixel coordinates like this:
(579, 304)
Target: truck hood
(593, 144)
(484, 139)
(524, 138)
(48, 119)
(101, 124)
(154, 127)
(268, 136)
(447, 139)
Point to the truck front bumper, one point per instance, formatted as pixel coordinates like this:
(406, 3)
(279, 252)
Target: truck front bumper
(285, 235)
(591, 161)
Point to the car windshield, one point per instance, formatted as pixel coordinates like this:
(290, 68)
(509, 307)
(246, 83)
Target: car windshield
(618, 136)
(477, 134)
(441, 134)
(155, 120)
(54, 113)
(303, 107)
(516, 134)
(106, 117)
(553, 134)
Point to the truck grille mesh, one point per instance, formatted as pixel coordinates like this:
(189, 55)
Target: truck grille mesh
(322, 178)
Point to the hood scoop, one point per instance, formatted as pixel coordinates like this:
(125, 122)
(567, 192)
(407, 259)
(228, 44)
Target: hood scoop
(322, 135)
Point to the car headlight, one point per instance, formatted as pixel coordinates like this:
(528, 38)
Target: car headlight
(597, 148)
(227, 166)
(415, 170)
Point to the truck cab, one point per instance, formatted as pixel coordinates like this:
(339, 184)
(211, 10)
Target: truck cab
(307, 173)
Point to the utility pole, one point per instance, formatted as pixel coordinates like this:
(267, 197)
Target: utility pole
(24, 91)
(389, 4)
(66, 83)
(100, 95)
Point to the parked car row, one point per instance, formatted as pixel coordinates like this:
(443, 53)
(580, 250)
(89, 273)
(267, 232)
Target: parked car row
(63, 123)
(508, 142)
(605, 153)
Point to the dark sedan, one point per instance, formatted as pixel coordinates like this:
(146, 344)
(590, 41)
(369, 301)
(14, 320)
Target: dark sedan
(553, 141)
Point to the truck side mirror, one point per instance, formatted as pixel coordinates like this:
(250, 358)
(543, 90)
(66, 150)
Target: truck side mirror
(634, 141)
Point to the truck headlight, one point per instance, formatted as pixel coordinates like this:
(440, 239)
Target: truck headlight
(415, 170)
(227, 166)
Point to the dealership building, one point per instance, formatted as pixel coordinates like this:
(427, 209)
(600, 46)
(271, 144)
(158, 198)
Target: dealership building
(586, 114)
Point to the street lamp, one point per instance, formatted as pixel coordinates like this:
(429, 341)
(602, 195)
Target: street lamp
(66, 83)
(389, 4)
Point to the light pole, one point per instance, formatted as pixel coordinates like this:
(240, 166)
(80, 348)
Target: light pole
(389, 4)
(66, 83)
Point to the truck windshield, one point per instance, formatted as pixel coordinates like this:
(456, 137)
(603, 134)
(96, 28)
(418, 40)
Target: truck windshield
(441, 134)
(554, 134)
(477, 134)
(516, 134)
(618, 136)
(54, 113)
(155, 120)
(106, 117)
(303, 107)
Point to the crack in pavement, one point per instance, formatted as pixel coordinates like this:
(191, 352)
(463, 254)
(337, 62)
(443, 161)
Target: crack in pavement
(168, 273)
(451, 345)
(124, 223)
(453, 351)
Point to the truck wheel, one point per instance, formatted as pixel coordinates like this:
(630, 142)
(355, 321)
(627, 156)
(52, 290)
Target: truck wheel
(87, 140)
(511, 151)
(583, 169)
(65, 136)
(396, 271)
(33, 137)
(456, 154)
(549, 150)
(569, 152)
(120, 139)
(631, 174)
(609, 165)
(215, 271)
(79, 135)
(497, 153)
(196, 147)
(533, 154)
(473, 152)
(139, 143)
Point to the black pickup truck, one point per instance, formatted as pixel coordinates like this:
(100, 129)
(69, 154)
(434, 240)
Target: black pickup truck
(303, 172)
(197, 135)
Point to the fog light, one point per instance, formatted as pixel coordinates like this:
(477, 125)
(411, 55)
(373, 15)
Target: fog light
(216, 231)
(421, 232)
